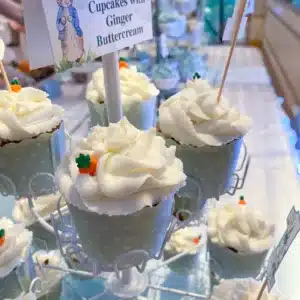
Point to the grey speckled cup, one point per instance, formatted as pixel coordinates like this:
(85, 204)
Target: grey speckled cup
(235, 265)
(141, 114)
(20, 161)
(213, 167)
(104, 237)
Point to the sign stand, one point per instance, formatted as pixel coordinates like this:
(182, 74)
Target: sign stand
(293, 228)
(112, 87)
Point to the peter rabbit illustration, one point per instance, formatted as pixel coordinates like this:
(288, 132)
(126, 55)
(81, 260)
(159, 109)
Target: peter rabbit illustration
(70, 33)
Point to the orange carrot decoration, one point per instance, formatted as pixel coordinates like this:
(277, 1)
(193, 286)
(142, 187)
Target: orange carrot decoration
(2, 236)
(15, 85)
(123, 63)
(196, 240)
(242, 201)
(87, 164)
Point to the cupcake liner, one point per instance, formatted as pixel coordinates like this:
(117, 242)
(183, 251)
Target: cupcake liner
(174, 28)
(166, 83)
(184, 264)
(233, 265)
(19, 280)
(41, 233)
(215, 165)
(10, 286)
(105, 238)
(20, 161)
(141, 114)
(186, 7)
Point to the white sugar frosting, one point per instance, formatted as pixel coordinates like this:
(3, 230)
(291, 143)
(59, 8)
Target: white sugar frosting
(193, 117)
(50, 277)
(27, 114)
(240, 227)
(135, 169)
(183, 240)
(44, 206)
(15, 247)
(135, 86)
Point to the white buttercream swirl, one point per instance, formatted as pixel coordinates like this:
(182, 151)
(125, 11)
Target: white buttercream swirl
(240, 227)
(50, 277)
(15, 248)
(183, 239)
(193, 117)
(135, 86)
(27, 114)
(44, 206)
(135, 169)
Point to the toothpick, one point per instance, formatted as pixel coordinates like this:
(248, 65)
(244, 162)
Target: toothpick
(2, 69)
(262, 289)
(240, 12)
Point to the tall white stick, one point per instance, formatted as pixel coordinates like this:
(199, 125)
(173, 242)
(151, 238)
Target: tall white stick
(236, 29)
(112, 87)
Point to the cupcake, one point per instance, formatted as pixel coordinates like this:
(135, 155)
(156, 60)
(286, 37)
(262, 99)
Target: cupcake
(165, 76)
(44, 206)
(51, 278)
(15, 242)
(31, 135)
(241, 289)
(172, 23)
(191, 63)
(240, 238)
(208, 133)
(185, 7)
(138, 97)
(183, 240)
(119, 184)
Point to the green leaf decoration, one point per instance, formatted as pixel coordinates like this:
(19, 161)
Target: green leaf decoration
(123, 59)
(15, 81)
(196, 76)
(46, 262)
(2, 233)
(83, 161)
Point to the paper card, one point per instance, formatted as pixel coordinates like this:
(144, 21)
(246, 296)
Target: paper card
(37, 38)
(228, 31)
(81, 30)
(293, 228)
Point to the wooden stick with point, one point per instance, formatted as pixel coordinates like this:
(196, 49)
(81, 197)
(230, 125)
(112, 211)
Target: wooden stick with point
(262, 289)
(2, 69)
(236, 28)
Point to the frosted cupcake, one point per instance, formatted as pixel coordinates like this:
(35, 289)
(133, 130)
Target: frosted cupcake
(119, 185)
(44, 206)
(31, 135)
(241, 289)
(183, 240)
(15, 242)
(191, 63)
(165, 76)
(186, 7)
(51, 278)
(208, 133)
(138, 97)
(172, 23)
(240, 238)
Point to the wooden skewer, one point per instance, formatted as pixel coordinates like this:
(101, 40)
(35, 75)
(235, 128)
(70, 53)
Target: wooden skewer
(262, 289)
(2, 69)
(237, 23)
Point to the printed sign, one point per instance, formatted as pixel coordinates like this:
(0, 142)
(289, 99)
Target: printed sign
(293, 228)
(81, 30)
